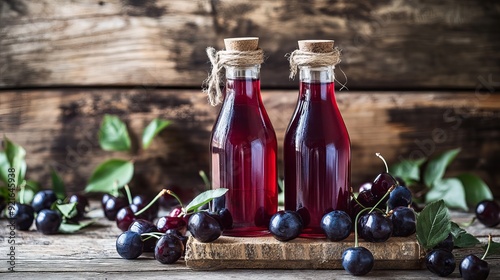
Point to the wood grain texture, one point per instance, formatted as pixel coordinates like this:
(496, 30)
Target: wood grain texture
(91, 254)
(59, 128)
(269, 253)
(386, 44)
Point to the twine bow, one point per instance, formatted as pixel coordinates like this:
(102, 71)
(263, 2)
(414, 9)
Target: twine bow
(301, 58)
(219, 59)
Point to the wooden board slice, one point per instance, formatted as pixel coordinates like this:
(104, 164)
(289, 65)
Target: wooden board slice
(269, 253)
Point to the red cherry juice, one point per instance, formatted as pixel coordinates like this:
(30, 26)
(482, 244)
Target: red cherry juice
(244, 159)
(317, 157)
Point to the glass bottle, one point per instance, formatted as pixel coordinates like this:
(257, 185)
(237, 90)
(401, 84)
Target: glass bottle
(244, 154)
(316, 151)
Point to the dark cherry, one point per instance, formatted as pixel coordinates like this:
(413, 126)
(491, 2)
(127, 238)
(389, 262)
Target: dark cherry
(403, 221)
(144, 226)
(113, 205)
(125, 217)
(104, 199)
(305, 215)
(365, 187)
(166, 222)
(286, 225)
(375, 227)
(3, 203)
(203, 227)
(82, 204)
(336, 225)
(474, 268)
(24, 215)
(488, 213)
(179, 235)
(381, 185)
(141, 201)
(357, 261)
(367, 199)
(400, 196)
(168, 249)
(175, 212)
(43, 200)
(129, 245)
(447, 244)
(224, 217)
(48, 221)
(440, 262)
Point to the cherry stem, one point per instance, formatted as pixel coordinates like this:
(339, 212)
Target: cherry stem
(129, 195)
(385, 163)
(383, 197)
(160, 194)
(150, 235)
(204, 176)
(176, 197)
(487, 248)
(357, 202)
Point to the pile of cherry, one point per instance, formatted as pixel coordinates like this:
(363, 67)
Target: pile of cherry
(167, 237)
(380, 210)
(42, 211)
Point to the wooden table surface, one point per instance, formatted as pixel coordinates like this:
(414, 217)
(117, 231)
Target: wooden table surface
(91, 254)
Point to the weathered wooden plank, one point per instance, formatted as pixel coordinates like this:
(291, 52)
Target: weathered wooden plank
(59, 128)
(386, 44)
(91, 254)
(269, 253)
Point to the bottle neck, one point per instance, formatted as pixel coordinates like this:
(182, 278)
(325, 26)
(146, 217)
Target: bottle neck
(243, 84)
(317, 83)
(323, 74)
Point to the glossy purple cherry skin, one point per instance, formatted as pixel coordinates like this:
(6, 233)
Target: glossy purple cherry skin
(113, 205)
(357, 261)
(374, 227)
(382, 183)
(48, 221)
(43, 200)
(144, 226)
(169, 249)
(488, 213)
(474, 268)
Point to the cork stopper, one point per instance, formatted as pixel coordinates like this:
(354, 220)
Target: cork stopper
(242, 44)
(316, 46)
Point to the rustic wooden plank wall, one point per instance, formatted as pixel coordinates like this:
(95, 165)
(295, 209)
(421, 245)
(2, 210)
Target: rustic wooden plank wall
(422, 75)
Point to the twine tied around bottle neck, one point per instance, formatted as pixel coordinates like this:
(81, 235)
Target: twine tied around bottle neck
(303, 58)
(219, 59)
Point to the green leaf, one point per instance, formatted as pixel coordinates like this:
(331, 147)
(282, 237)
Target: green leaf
(4, 167)
(436, 167)
(494, 248)
(451, 191)
(461, 238)
(30, 189)
(15, 156)
(72, 228)
(476, 189)
(204, 198)
(408, 170)
(113, 134)
(58, 185)
(153, 128)
(109, 173)
(67, 210)
(433, 224)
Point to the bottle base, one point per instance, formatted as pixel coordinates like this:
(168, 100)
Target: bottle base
(312, 233)
(246, 232)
